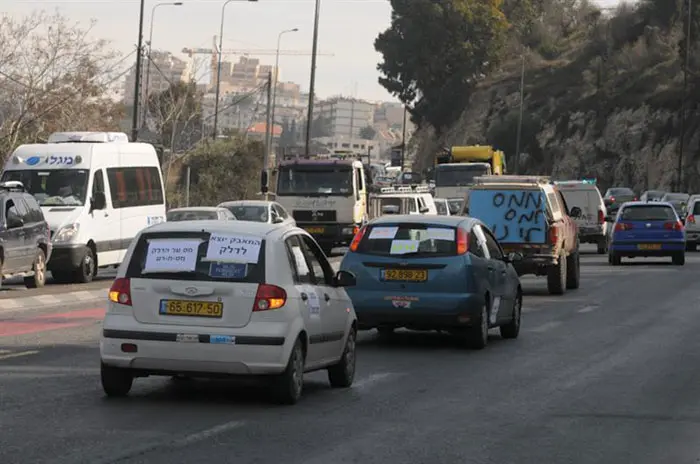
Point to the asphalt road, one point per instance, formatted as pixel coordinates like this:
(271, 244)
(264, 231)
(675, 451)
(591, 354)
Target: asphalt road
(605, 374)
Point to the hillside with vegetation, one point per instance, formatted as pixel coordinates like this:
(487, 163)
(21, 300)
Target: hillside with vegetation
(603, 90)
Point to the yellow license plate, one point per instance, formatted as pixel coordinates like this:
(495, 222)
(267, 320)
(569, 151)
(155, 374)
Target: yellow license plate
(315, 230)
(649, 246)
(191, 308)
(406, 275)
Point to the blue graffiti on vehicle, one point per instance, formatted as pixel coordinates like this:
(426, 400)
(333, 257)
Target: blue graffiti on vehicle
(514, 216)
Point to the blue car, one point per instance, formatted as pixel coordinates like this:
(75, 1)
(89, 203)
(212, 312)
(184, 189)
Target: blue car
(643, 229)
(429, 272)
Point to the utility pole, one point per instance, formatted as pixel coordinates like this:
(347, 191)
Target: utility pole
(268, 138)
(403, 138)
(137, 79)
(679, 179)
(516, 165)
(312, 80)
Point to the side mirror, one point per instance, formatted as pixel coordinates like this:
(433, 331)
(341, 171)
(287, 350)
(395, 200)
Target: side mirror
(575, 212)
(99, 201)
(424, 210)
(14, 221)
(277, 220)
(344, 279)
(513, 257)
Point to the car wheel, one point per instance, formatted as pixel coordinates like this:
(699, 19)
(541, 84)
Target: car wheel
(39, 268)
(341, 375)
(602, 246)
(116, 382)
(573, 271)
(691, 246)
(289, 385)
(512, 329)
(678, 259)
(87, 269)
(556, 276)
(478, 335)
(614, 259)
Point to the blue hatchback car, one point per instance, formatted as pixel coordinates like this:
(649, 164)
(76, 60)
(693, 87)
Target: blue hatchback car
(647, 229)
(426, 272)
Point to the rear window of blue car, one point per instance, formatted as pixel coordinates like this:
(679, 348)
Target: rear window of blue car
(648, 213)
(409, 240)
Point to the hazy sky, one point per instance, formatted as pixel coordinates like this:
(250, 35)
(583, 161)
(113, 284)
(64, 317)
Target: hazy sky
(347, 30)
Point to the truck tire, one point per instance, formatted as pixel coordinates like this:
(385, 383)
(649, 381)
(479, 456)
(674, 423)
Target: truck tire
(556, 276)
(573, 270)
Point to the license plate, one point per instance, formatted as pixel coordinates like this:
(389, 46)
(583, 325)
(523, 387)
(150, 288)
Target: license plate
(649, 246)
(191, 308)
(315, 230)
(406, 275)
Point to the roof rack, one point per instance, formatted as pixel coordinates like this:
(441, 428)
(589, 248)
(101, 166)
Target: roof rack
(12, 186)
(575, 182)
(508, 179)
(414, 188)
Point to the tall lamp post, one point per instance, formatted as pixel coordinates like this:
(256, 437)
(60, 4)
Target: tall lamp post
(679, 180)
(150, 49)
(277, 71)
(137, 79)
(218, 67)
(312, 80)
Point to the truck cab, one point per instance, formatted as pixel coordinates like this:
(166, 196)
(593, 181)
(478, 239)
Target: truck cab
(457, 167)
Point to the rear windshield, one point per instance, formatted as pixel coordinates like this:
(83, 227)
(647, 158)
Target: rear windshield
(648, 213)
(183, 256)
(409, 240)
(249, 213)
(191, 215)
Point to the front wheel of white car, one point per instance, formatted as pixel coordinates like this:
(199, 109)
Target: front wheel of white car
(341, 375)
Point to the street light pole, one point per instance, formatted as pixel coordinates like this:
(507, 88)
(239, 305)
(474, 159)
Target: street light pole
(679, 179)
(150, 49)
(516, 165)
(218, 68)
(312, 80)
(137, 79)
(277, 72)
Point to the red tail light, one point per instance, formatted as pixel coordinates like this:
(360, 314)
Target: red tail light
(357, 239)
(601, 216)
(620, 226)
(553, 235)
(678, 225)
(635, 199)
(462, 241)
(612, 199)
(120, 292)
(690, 219)
(269, 297)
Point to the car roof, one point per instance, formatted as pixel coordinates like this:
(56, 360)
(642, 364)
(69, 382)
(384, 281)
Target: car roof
(452, 221)
(196, 208)
(246, 203)
(259, 229)
(646, 203)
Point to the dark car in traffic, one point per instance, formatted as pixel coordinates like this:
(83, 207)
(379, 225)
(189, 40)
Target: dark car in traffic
(615, 196)
(679, 201)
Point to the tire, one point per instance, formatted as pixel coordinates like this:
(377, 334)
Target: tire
(87, 269)
(556, 276)
(288, 386)
(116, 382)
(614, 259)
(478, 335)
(691, 246)
(341, 375)
(573, 271)
(512, 329)
(678, 259)
(602, 246)
(37, 280)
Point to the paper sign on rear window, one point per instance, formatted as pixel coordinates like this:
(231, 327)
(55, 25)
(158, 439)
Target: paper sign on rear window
(441, 233)
(233, 248)
(400, 247)
(383, 233)
(171, 255)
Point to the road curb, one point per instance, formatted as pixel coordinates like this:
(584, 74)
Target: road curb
(57, 299)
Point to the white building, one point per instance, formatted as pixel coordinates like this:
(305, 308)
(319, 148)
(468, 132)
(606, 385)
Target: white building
(346, 117)
(157, 75)
(356, 145)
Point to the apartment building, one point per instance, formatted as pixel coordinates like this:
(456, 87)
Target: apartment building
(346, 116)
(162, 69)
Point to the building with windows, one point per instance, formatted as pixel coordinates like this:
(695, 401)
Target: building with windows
(163, 69)
(345, 117)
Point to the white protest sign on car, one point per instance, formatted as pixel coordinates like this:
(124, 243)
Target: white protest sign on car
(379, 233)
(171, 255)
(441, 233)
(235, 248)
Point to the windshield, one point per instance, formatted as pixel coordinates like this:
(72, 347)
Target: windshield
(55, 187)
(191, 215)
(647, 213)
(403, 240)
(315, 181)
(460, 175)
(612, 192)
(249, 213)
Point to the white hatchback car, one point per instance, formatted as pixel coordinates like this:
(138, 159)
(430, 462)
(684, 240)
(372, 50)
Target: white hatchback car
(259, 211)
(207, 298)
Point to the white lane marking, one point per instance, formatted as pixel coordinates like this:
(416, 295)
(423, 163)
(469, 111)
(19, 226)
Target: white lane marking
(5, 351)
(83, 295)
(371, 380)
(588, 309)
(18, 355)
(10, 304)
(208, 433)
(47, 299)
(545, 327)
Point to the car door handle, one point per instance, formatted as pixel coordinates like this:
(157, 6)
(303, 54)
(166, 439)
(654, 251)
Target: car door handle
(325, 295)
(304, 296)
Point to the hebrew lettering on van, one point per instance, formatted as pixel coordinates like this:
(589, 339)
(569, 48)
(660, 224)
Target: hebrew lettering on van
(514, 216)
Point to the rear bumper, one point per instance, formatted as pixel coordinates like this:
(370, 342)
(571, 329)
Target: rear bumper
(332, 233)
(424, 312)
(632, 249)
(160, 353)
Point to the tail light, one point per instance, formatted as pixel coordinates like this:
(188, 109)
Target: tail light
(690, 219)
(611, 199)
(269, 297)
(677, 225)
(601, 216)
(120, 292)
(357, 238)
(462, 241)
(553, 235)
(635, 199)
(621, 226)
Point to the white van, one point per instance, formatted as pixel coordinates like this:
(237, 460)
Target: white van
(415, 199)
(592, 227)
(97, 192)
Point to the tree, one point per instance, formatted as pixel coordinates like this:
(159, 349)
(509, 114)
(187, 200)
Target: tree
(177, 114)
(368, 133)
(53, 77)
(434, 52)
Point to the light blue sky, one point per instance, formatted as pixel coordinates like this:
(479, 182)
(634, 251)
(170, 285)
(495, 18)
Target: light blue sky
(347, 29)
